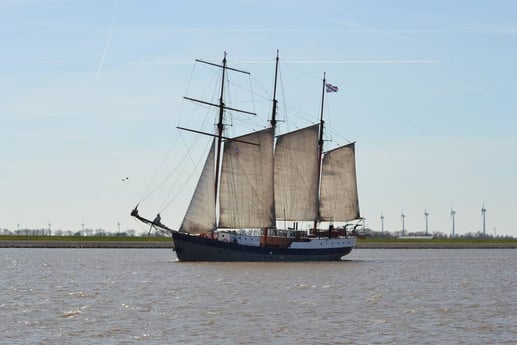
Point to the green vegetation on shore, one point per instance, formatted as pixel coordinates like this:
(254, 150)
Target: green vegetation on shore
(439, 240)
(86, 238)
(28, 241)
(373, 240)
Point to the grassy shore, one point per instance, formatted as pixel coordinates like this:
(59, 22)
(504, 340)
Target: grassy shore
(11, 241)
(437, 243)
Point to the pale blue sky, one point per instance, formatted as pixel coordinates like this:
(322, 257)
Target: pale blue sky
(91, 92)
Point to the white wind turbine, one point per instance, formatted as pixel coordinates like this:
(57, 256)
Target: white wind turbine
(426, 215)
(453, 217)
(403, 216)
(483, 211)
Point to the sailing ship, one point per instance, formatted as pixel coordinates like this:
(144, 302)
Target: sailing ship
(253, 182)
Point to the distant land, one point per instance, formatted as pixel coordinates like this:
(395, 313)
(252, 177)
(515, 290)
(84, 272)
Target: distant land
(14, 241)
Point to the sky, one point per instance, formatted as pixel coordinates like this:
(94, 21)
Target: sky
(91, 92)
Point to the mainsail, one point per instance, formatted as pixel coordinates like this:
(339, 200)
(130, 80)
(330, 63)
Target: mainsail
(246, 189)
(296, 175)
(338, 192)
(200, 216)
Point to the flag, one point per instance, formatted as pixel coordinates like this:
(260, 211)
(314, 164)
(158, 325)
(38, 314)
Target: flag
(331, 88)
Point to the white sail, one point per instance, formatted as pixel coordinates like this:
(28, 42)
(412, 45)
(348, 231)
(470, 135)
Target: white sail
(296, 175)
(338, 193)
(246, 188)
(200, 216)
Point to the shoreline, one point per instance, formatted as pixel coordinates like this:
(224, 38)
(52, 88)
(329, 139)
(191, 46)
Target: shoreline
(436, 245)
(120, 244)
(85, 244)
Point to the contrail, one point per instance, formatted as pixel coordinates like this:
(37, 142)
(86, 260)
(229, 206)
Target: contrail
(306, 62)
(339, 62)
(108, 41)
(39, 63)
(244, 62)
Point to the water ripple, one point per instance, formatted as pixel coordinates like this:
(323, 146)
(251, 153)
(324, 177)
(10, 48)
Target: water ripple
(87, 296)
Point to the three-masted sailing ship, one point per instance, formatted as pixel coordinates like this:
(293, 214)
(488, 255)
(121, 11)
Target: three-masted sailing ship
(252, 182)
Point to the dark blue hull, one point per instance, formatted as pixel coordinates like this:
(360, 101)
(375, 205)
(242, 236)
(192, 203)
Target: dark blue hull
(195, 248)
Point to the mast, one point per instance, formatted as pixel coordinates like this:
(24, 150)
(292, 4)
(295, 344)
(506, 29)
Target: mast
(275, 102)
(320, 145)
(273, 125)
(220, 128)
(220, 121)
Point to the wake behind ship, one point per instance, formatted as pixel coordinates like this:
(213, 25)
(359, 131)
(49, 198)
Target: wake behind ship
(251, 183)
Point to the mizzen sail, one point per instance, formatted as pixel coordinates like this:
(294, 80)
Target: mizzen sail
(338, 193)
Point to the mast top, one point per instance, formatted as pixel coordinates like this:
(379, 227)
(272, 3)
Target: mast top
(275, 102)
(223, 65)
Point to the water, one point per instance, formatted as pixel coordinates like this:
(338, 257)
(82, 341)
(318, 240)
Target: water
(139, 296)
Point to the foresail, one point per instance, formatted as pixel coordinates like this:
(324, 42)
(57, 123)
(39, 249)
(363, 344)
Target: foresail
(296, 175)
(338, 193)
(246, 188)
(200, 216)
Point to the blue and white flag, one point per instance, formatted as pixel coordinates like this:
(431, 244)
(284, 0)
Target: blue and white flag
(331, 88)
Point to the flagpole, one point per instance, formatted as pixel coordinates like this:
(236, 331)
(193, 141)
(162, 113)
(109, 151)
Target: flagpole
(320, 151)
(320, 142)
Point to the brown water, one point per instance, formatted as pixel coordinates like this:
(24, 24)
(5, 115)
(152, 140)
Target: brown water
(140, 296)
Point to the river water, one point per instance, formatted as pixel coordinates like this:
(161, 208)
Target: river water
(144, 296)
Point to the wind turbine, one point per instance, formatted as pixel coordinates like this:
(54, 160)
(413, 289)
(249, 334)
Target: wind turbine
(403, 216)
(426, 215)
(483, 211)
(382, 223)
(453, 217)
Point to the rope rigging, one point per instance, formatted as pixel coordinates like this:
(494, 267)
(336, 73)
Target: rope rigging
(258, 95)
